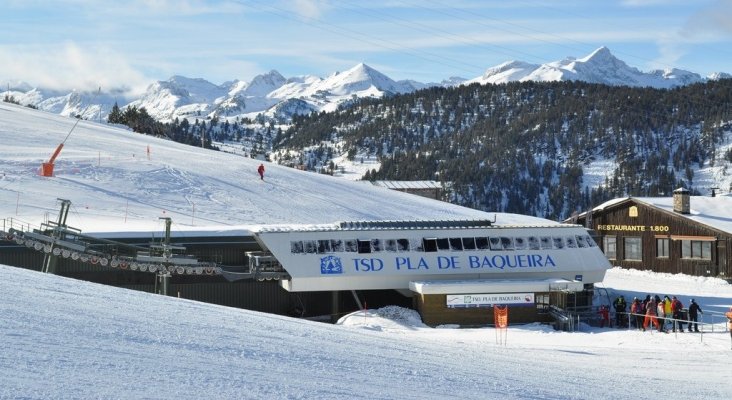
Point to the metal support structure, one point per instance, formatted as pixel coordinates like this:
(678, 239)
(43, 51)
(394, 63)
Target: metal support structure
(358, 301)
(335, 306)
(164, 276)
(58, 240)
(49, 260)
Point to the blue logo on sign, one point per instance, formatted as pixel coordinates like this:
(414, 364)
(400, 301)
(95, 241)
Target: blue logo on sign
(331, 265)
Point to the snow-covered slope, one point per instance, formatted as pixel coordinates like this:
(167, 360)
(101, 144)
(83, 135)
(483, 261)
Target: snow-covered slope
(63, 338)
(118, 180)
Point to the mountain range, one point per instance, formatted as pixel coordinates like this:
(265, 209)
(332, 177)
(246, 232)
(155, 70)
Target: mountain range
(279, 98)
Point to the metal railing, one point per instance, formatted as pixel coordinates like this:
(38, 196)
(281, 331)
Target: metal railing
(704, 327)
(14, 223)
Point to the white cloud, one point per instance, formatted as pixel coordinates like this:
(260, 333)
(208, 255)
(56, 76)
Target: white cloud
(69, 66)
(714, 18)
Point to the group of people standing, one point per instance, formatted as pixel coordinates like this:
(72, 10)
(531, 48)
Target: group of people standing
(660, 313)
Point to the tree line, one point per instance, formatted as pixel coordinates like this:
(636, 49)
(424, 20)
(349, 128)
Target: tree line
(523, 146)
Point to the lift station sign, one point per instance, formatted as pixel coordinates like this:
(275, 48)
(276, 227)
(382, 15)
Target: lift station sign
(489, 300)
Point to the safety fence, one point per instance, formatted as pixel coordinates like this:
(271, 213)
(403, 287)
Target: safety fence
(708, 322)
(572, 320)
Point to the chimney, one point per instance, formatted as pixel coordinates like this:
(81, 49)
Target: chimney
(681, 201)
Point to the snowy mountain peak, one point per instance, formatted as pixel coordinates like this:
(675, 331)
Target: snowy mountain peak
(505, 72)
(180, 96)
(361, 80)
(263, 84)
(600, 66)
(601, 55)
(719, 75)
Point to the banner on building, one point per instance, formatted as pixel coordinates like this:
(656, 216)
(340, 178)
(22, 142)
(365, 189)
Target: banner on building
(488, 300)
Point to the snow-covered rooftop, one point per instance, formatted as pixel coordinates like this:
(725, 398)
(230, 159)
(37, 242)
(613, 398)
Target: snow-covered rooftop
(707, 210)
(409, 184)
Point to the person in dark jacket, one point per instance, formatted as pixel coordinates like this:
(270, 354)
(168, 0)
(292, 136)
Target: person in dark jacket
(620, 306)
(694, 311)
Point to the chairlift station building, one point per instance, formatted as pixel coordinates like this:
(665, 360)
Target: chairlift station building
(452, 272)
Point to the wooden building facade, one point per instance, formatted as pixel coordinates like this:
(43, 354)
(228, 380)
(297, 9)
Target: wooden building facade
(683, 234)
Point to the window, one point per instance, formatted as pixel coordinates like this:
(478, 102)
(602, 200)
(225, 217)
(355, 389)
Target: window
(376, 245)
(495, 243)
(520, 243)
(581, 241)
(456, 244)
(390, 245)
(468, 243)
(506, 243)
(571, 242)
(416, 244)
(296, 247)
(696, 249)
(443, 244)
(633, 248)
(429, 244)
(364, 246)
(323, 246)
(403, 244)
(662, 246)
(542, 302)
(610, 245)
(558, 242)
(546, 243)
(336, 245)
(482, 243)
(351, 245)
(310, 246)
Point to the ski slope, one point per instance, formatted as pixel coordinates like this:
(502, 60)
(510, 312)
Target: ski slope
(63, 338)
(120, 181)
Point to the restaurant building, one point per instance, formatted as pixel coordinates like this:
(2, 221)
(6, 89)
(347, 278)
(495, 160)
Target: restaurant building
(681, 234)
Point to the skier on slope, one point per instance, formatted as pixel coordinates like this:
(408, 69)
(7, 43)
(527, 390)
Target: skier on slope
(260, 170)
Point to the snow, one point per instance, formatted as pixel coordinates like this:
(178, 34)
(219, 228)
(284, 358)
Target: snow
(115, 185)
(601, 66)
(181, 97)
(64, 338)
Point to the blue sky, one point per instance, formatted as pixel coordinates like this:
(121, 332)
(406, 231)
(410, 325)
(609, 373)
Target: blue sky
(84, 44)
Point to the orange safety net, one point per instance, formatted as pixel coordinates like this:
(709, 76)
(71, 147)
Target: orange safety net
(500, 316)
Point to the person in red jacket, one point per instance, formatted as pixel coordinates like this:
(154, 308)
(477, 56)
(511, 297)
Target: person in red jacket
(604, 316)
(261, 171)
(677, 312)
(651, 313)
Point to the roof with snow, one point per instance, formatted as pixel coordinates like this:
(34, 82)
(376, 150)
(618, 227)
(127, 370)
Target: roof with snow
(711, 211)
(401, 185)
